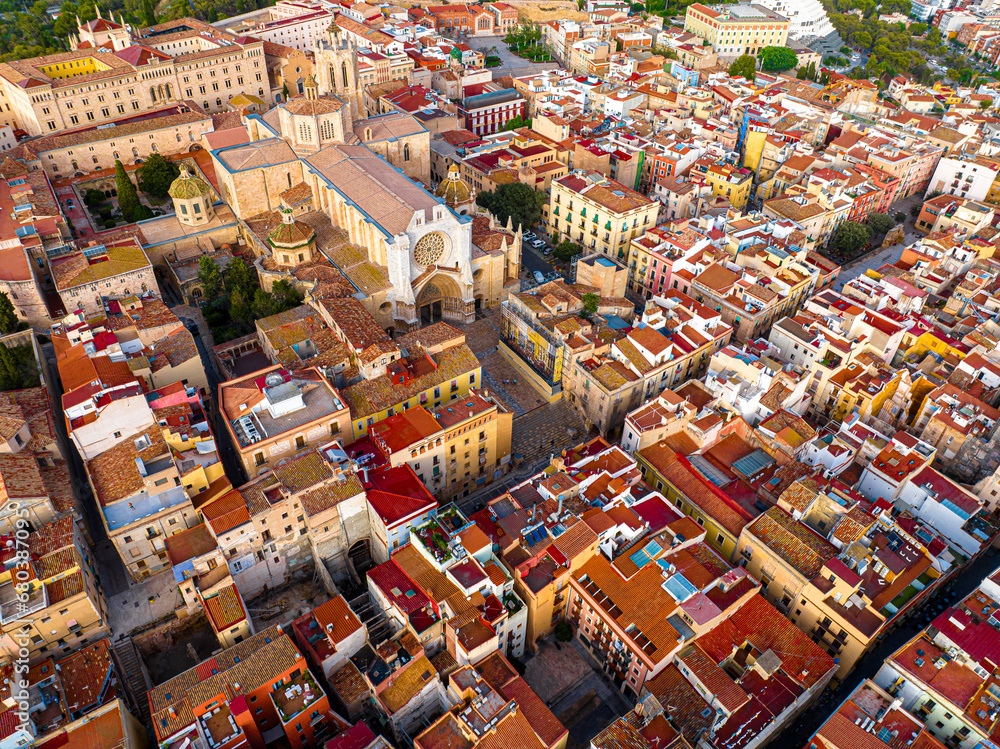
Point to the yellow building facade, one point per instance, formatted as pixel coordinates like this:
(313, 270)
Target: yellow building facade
(733, 32)
(598, 213)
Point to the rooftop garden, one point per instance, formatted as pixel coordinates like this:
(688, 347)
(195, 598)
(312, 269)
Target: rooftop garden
(295, 696)
(451, 518)
(435, 539)
(512, 603)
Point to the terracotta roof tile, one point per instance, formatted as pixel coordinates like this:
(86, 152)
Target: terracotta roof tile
(793, 541)
(337, 613)
(225, 609)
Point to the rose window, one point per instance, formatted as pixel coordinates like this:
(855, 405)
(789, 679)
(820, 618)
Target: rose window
(429, 249)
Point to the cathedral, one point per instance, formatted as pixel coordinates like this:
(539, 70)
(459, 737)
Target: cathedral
(362, 187)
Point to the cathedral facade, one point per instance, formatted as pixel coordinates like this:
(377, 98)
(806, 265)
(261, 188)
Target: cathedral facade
(364, 181)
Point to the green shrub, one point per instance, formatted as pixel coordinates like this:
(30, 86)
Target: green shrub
(564, 632)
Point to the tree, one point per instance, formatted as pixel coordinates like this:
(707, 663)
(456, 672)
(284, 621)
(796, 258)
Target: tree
(18, 369)
(880, 223)
(985, 104)
(518, 202)
(286, 295)
(8, 316)
(590, 302)
(285, 96)
(850, 238)
(148, 13)
(157, 174)
(899, 217)
(516, 123)
(239, 310)
(564, 632)
(128, 200)
(240, 277)
(142, 212)
(777, 59)
(93, 197)
(915, 210)
(811, 72)
(567, 250)
(263, 305)
(744, 66)
(210, 278)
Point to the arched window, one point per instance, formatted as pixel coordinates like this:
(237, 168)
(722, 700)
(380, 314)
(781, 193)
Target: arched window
(166, 88)
(344, 74)
(289, 175)
(135, 153)
(406, 152)
(326, 130)
(152, 93)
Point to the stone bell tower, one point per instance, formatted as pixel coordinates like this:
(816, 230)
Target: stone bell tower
(337, 69)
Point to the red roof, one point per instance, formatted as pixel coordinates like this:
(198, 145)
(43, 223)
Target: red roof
(397, 494)
(357, 737)
(390, 578)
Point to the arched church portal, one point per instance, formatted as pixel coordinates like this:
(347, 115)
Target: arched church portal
(440, 299)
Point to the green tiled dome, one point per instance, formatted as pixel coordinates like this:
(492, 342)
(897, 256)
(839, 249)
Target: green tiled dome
(290, 234)
(188, 186)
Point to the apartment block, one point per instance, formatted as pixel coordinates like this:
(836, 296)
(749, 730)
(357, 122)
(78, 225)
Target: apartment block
(598, 213)
(440, 369)
(273, 414)
(451, 448)
(742, 29)
(252, 693)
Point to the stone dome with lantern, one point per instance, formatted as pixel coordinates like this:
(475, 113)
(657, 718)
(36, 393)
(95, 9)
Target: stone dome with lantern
(192, 198)
(455, 192)
(292, 242)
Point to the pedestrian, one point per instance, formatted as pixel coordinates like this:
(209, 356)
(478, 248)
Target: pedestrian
(515, 382)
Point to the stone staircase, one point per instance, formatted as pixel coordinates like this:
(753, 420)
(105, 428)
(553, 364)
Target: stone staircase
(137, 683)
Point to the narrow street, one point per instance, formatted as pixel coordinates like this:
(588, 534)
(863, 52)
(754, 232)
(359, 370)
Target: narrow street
(796, 736)
(114, 579)
(227, 453)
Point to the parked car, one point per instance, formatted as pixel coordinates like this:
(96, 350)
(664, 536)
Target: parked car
(537, 243)
(528, 236)
(539, 278)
